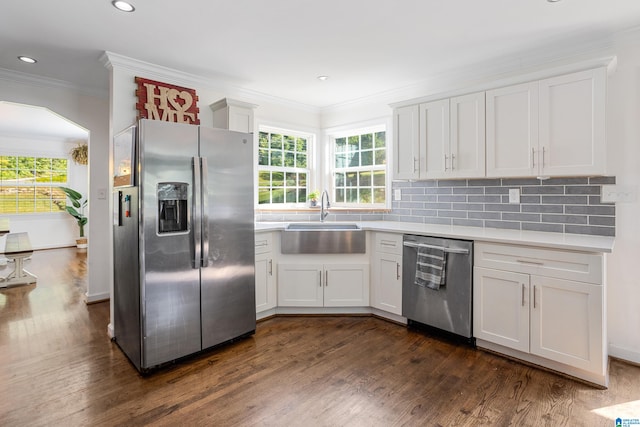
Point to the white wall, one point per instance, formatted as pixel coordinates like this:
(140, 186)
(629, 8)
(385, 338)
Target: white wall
(89, 111)
(623, 161)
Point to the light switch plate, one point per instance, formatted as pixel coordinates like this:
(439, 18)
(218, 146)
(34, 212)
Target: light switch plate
(397, 194)
(514, 195)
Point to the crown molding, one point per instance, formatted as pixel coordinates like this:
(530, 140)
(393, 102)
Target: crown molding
(47, 82)
(113, 60)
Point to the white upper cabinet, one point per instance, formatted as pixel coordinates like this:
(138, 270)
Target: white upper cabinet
(572, 124)
(434, 138)
(512, 131)
(467, 150)
(552, 127)
(406, 153)
(441, 139)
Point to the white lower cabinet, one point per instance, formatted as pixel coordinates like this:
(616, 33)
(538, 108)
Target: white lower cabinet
(551, 321)
(386, 272)
(323, 285)
(266, 297)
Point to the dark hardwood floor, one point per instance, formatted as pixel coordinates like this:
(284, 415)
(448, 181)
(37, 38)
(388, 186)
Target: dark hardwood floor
(59, 368)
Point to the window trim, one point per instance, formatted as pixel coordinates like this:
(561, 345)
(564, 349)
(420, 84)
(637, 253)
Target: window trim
(311, 137)
(329, 169)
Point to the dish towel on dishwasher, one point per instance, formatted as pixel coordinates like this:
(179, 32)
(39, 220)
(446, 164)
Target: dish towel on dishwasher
(431, 267)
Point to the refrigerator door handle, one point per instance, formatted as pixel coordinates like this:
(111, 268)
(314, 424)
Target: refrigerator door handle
(196, 213)
(205, 211)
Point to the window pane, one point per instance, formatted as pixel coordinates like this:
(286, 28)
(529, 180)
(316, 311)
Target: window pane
(380, 139)
(59, 177)
(43, 176)
(365, 195)
(277, 195)
(264, 195)
(339, 179)
(59, 164)
(341, 161)
(302, 180)
(289, 143)
(352, 179)
(8, 201)
(301, 160)
(341, 143)
(301, 145)
(291, 195)
(378, 195)
(353, 143)
(302, 195)
(26, 199)
(379, 178)
(352, 195)
(365, 179)
(366, 158)
(291, 179)
(263, 140)
(276, 141)
(366, 141)
(276, 158)
(353, 160)
(381, 157)
(340, 195)
(43, 163)
(289, 160)
(26, 169)
(277, 179)
(263, 157)
(264, 179)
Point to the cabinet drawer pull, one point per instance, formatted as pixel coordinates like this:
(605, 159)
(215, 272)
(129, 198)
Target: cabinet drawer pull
(397, 271)
(446, 157)
(261, 244)
(453, 157)
(415, 160)
(270, 267)
(326, 278)
(523, 294)
(543, 153)
(526, 261)
(320, 281)
(533, 157)
(388, 243)
(534, 296)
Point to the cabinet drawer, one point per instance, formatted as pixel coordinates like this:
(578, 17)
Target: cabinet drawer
(579, 266)
(263, 242)
(388, 243)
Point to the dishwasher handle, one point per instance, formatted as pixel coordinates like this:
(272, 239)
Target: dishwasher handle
(448, 250)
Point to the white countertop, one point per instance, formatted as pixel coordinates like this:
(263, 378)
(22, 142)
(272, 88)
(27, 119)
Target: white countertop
(576, 242)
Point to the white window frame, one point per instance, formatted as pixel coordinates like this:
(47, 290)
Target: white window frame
(359, 129)
(311, 170)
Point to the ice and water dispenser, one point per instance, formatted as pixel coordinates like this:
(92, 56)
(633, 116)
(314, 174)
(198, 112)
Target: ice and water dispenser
(172, 207)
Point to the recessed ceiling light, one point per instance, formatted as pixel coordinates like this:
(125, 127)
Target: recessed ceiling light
(123, 6)
(27, 59)
(323, 78)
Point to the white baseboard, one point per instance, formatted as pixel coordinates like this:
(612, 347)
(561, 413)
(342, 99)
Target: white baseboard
(110, 330)
(624, 353)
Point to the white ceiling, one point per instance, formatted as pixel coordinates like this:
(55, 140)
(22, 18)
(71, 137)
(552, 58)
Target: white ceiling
(279, 47)
(26, 121)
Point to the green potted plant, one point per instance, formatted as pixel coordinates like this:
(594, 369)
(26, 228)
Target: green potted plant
(313, 197)
(76, 210)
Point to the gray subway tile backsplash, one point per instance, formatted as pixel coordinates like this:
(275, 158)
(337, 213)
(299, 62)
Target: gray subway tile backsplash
(556, 205)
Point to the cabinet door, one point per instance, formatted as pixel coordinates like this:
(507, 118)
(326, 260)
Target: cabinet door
(501, 307)
(467, 148)
(406, 153)
(434, 139)
(386, 282)
(512, 131)
(300, 285)
(265, 283)
(346, 285)
(572, 123)
(566, 322)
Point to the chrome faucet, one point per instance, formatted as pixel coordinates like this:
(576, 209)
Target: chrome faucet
(324, 214)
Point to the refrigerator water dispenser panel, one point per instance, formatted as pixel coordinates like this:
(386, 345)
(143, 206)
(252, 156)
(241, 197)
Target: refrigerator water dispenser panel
(172, 207)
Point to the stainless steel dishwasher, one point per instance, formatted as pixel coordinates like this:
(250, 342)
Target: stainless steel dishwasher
(448, 307)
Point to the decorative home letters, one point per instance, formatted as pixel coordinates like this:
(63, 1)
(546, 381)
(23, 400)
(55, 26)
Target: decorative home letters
(169, 103)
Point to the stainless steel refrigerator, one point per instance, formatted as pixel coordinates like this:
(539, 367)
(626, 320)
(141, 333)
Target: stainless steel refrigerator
(184, 275)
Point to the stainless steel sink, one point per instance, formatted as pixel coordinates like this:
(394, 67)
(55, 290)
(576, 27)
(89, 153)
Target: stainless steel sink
(323, 238)
(321, 226)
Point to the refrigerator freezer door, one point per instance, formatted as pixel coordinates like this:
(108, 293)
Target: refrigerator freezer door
(170, 281)
(228, 280)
